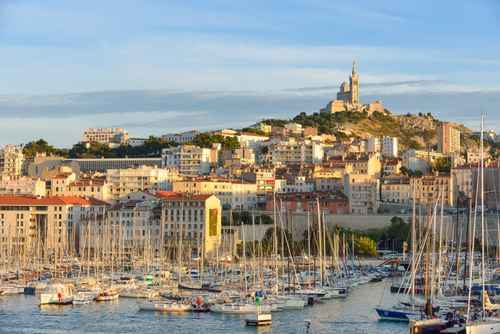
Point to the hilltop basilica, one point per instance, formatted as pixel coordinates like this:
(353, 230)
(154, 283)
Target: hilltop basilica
(348, 97)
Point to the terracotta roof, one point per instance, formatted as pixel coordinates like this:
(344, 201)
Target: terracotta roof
(53, 200)
(171, 195)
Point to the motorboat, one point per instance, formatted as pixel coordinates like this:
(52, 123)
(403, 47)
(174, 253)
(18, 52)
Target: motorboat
(57, 293)
(164, 306)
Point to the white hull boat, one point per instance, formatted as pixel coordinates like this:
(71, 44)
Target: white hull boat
(161, 306)
(58, 294)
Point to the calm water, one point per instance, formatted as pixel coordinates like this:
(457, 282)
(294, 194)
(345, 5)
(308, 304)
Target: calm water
(355, 314)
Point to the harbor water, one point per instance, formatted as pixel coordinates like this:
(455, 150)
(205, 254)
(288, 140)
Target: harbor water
(355, 314)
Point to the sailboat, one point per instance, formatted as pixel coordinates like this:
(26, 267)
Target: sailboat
(484, 325)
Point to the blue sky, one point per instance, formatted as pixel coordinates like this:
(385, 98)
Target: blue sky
(160, 66)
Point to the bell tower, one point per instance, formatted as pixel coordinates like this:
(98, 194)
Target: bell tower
(354, 85)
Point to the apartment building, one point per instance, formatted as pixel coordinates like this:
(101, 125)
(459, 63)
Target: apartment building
(432, 189)
(43, 229)
(233, 194)
(105, 136)
(390, 147)
(22, 186)
(362, 191)
(181, 138)
(144, 178)
(196, 219)
(190, 160)
(364, 164)
(296, 152)
(11, 160)
(448, 136)
(396, 189)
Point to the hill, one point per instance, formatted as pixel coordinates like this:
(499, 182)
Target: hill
(413, 131)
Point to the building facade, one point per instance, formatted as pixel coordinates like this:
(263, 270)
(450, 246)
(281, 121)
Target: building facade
(189, 160)
(448, 138)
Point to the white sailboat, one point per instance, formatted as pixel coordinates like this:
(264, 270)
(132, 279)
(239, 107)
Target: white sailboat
(484, 325)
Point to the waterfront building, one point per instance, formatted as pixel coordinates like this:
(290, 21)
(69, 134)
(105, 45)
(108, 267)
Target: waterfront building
(42, 229)
(105, 136)
(432, 189)
(190, 160)
(362, 190)
(396, 189)
(232, 193)
(448, 136)
(196, 219)
(465, 181)
(11, 160)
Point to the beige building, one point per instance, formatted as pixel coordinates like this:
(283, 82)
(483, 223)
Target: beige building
(362, 190)
(197, 219)
(42, 229)
(11, 160)
(57, 184)
(430, 189)
(448, 138)
(396, 189)
(364, 164)
(22, 186)
(97, 188)
(144, 178)
(234, 194)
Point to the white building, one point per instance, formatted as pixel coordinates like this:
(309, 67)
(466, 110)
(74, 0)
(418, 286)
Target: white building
(293, 152)
(294, 128)
(251, 140)
(181, 138)
(134, 142)
(189, 160)
(105, 136)
(373, 145)
(299, 185)
(390, 147)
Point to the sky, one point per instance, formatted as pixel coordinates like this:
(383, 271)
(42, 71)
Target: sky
(161, 66)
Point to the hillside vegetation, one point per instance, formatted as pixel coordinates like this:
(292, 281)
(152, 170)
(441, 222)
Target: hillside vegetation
(413, 131)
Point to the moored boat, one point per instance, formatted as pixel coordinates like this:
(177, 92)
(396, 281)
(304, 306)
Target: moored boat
(57, 293)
